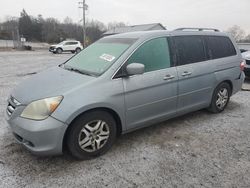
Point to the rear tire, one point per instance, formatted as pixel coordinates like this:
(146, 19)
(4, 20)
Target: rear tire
(78, 50)
(221, 97)
(91, 135)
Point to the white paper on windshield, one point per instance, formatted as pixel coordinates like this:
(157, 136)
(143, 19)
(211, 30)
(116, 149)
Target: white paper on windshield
(107, 57)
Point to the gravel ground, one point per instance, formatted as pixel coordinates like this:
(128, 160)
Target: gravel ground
(196, 150)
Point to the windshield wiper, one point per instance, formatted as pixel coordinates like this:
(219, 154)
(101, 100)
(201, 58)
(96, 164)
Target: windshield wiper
(77, 70)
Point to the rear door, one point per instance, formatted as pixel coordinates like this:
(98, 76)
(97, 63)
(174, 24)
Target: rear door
(152, 96)
(196, 77)
(69, 46)
(73, 45)
(66, 46)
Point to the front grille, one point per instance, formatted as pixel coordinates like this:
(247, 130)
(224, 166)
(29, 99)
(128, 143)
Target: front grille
(248, 62)
(51, 48)
(12, 104)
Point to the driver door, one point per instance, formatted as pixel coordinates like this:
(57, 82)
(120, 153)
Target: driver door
(152, 96)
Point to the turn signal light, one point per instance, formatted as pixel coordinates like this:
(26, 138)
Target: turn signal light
(242, 65)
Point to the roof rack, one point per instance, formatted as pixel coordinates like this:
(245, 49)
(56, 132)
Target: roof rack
(199, 29)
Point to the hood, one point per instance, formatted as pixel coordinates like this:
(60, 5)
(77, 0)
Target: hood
(50, 83)
(246, 55)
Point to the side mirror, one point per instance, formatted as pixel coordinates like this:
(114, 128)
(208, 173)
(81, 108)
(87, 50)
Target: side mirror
(135, 68)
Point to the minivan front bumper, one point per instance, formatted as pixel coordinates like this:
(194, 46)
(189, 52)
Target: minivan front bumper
(40, 137)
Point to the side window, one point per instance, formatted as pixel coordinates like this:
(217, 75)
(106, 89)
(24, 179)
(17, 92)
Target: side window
(190, 49)
(70, 43)
(154, 54)
(219, 47)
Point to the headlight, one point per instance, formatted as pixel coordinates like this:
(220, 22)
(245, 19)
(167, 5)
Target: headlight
(41, 109)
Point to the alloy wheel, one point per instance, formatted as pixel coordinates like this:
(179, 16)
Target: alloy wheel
(93, 135)
(78, 50)
(222, 98)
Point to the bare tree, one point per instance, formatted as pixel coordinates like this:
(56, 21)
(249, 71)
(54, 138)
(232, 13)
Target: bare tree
(247, 38)
(113, 25)
(236, 32)
(94, 30)
(9, 30)
(52, 30)
(68, 20)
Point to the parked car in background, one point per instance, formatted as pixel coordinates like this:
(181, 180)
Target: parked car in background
(66, 46)
(122, 83)
(243, 50)
(246, 56)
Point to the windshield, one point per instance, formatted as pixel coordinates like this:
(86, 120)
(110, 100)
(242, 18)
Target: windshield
(98, 57)
(61, 43)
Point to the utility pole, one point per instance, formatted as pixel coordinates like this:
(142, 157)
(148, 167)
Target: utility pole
(84, 7)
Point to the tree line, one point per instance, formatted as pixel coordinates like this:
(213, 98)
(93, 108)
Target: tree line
(51, 30)
(239, 34)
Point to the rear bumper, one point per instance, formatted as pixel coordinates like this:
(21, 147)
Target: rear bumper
(237, 85)
(40, 137)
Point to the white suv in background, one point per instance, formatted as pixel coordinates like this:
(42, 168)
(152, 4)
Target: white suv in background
(66, 46)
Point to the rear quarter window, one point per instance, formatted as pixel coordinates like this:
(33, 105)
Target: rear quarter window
(220, 47)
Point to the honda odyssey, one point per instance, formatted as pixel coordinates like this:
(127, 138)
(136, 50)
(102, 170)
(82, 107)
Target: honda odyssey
(122, 83)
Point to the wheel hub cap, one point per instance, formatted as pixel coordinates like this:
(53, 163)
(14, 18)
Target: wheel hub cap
(222, 98)
(94, 135)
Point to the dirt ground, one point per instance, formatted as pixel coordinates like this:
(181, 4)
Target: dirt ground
(196, 150)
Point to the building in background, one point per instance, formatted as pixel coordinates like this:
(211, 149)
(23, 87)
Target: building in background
(144, 27)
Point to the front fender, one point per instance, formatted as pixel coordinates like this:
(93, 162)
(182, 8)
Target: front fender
(98, 106)
(79, 101)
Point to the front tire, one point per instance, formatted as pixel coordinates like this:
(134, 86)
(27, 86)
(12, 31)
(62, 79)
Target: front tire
(59, 50)
(221, 97)
(91, 135)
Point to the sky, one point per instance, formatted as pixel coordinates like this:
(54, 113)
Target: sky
(220, 14)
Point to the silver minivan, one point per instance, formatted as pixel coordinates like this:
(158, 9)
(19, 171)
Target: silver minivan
(122, 83)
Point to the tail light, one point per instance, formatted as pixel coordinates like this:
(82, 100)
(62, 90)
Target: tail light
(242, 65)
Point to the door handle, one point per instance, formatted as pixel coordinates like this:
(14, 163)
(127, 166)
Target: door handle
(186, 73)
(168, 77)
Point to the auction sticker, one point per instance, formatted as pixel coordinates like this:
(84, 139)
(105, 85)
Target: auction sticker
(107, 57)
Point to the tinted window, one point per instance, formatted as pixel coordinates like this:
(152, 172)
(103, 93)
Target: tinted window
(219, 47)
(190, 49)
(154, 54)
(70, 43)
